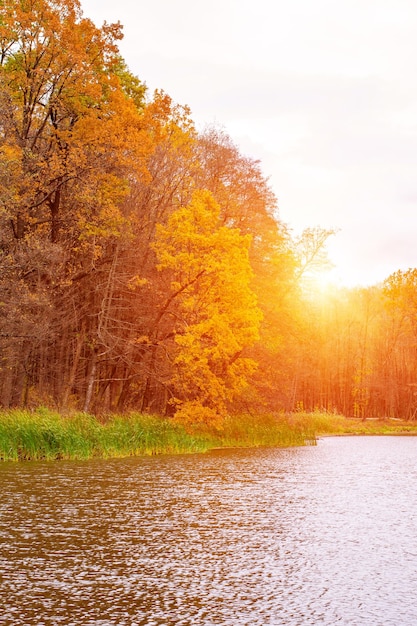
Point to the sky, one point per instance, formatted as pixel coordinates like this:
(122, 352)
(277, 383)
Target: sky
(322, 92)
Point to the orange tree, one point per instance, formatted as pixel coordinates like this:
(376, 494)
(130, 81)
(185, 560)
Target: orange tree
(70, 130)
(210, 315)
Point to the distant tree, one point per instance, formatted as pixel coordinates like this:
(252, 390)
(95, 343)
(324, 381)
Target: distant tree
(400, 373)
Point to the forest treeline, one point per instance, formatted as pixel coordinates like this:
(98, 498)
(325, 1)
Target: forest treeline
(143, 263)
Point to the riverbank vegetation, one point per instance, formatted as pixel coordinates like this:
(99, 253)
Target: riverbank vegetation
(46, 435)
(144, 264)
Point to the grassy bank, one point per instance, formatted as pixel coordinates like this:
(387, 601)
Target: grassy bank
(327, 424)
(46, 435)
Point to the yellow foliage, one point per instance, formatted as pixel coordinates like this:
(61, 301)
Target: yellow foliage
(210, 285)
(194, 416)
(135, 282)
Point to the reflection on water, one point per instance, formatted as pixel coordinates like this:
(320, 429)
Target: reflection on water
(317, 535)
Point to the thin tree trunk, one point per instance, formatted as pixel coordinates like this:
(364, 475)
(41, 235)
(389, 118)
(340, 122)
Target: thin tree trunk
(90, 383)
(71, 379)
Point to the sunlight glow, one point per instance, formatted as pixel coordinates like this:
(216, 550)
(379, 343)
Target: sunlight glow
(323, 284)
(318, 286)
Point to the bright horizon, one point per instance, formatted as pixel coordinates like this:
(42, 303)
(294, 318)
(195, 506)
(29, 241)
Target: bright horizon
(323, 94)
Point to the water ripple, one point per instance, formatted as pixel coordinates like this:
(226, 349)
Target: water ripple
(319, 535)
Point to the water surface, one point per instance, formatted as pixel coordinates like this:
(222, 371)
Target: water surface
(317, 535)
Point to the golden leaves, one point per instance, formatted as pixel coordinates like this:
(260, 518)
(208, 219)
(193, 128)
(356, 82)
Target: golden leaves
(210, 273)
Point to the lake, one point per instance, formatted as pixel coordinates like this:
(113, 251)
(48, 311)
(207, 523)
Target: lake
(317, 535)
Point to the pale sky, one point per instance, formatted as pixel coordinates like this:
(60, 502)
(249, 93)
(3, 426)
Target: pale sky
(323, 92)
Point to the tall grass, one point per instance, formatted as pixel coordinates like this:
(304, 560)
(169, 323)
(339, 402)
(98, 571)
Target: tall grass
(270, 429)
(44, 434)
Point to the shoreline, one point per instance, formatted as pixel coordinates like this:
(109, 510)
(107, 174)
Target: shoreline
(44, 434)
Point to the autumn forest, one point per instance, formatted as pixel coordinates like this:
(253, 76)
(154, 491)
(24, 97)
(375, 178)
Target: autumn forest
(144, 264)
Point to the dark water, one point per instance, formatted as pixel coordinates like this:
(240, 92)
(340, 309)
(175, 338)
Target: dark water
(317, 535)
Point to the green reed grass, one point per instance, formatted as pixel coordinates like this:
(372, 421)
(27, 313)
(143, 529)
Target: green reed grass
(46, 435)
(269, 429)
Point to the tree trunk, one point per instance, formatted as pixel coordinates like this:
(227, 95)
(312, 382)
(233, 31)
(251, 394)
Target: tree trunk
(90, 383)
(71, 378)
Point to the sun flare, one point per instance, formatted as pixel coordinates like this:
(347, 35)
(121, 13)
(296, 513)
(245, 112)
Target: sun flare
(322, 284)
